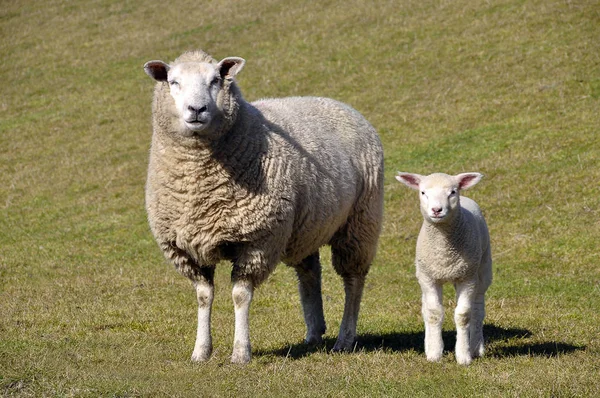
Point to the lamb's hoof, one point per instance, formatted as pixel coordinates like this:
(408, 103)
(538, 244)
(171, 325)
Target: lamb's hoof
(434, 358)
(478, 352)
(434, 355)
(434, 350)
(201, 354)
(464, 360)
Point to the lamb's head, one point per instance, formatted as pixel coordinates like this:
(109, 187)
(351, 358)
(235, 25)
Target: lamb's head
(199, 90)
(439, 193)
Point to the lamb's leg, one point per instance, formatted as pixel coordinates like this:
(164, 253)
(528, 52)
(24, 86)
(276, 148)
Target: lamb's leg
(309, 286)
(353, 287)
(476, 328)
(204, 285)
(242, 297)
(433, 317)
(483, 283)
(463, 318)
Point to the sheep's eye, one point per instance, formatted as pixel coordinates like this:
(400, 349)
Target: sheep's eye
(215, 80)
(453, 192)
(423, 193)
(173, 83)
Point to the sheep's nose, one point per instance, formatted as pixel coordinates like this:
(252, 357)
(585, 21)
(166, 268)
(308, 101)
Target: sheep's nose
(436, 210)
(197, 110)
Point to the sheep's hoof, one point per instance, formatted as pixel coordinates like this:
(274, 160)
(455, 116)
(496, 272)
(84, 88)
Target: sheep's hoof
(201, 354)
(314, 340)
(241, 355)
(240, 358)
(344, 345)
(314, 334)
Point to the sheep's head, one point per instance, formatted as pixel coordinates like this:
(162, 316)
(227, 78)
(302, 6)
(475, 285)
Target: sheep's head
(439, 193)
(197, 90)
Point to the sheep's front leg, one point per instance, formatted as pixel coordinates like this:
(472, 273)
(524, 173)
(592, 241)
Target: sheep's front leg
(202, 278)
(465, 292)
(309, 286)
(204, 286)
(242, 297)
(433, 317)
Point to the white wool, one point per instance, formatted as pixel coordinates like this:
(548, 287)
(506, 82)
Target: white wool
(256, 184)
(453, 246)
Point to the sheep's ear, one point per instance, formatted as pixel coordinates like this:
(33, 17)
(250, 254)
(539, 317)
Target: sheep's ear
(230, 66)
(409, 179)
(158, 70)
(467, 180)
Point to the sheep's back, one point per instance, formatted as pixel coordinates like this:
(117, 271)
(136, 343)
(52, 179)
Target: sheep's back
(327, 133)
(333, 155)
(285, 179)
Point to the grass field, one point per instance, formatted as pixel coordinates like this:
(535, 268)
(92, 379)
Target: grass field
(510, 88)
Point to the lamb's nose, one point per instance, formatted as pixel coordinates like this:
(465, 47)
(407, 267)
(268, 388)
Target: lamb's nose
(436, 210)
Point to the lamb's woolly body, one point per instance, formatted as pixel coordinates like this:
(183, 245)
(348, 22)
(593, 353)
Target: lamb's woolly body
(273, 181)
(453, 246)
(447, 253)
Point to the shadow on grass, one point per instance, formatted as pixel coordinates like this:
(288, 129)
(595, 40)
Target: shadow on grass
(500, 343)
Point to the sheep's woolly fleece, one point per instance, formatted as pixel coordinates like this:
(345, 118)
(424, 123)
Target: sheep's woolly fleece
(283, 180)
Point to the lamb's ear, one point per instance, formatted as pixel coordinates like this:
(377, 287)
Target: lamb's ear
(467, 180)
(230, 66)
(158, 70)
(409, 179)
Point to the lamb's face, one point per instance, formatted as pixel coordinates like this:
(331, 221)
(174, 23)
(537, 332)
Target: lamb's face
(439, 196)
(439, 193)
(194, 88)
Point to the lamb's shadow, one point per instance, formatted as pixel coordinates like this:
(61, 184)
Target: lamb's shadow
(500, 343)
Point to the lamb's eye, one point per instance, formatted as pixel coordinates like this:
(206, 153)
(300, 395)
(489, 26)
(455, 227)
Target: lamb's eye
(173, 83)
(453, 192)
(215, 80)
(423, 193)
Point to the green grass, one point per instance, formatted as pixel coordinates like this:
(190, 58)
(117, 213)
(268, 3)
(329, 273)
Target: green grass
(510, 88)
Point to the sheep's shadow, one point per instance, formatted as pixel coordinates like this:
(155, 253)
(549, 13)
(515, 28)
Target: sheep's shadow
(500, 342)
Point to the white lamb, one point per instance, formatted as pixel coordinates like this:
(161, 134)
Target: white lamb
(453, 246)
(258, 183)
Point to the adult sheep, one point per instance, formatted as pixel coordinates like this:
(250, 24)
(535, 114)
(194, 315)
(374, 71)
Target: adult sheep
(259, 183)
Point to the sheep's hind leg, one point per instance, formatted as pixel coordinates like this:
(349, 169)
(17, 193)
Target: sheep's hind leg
(204, 286)
(242, 297)
(309, 286)
(353, 287)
